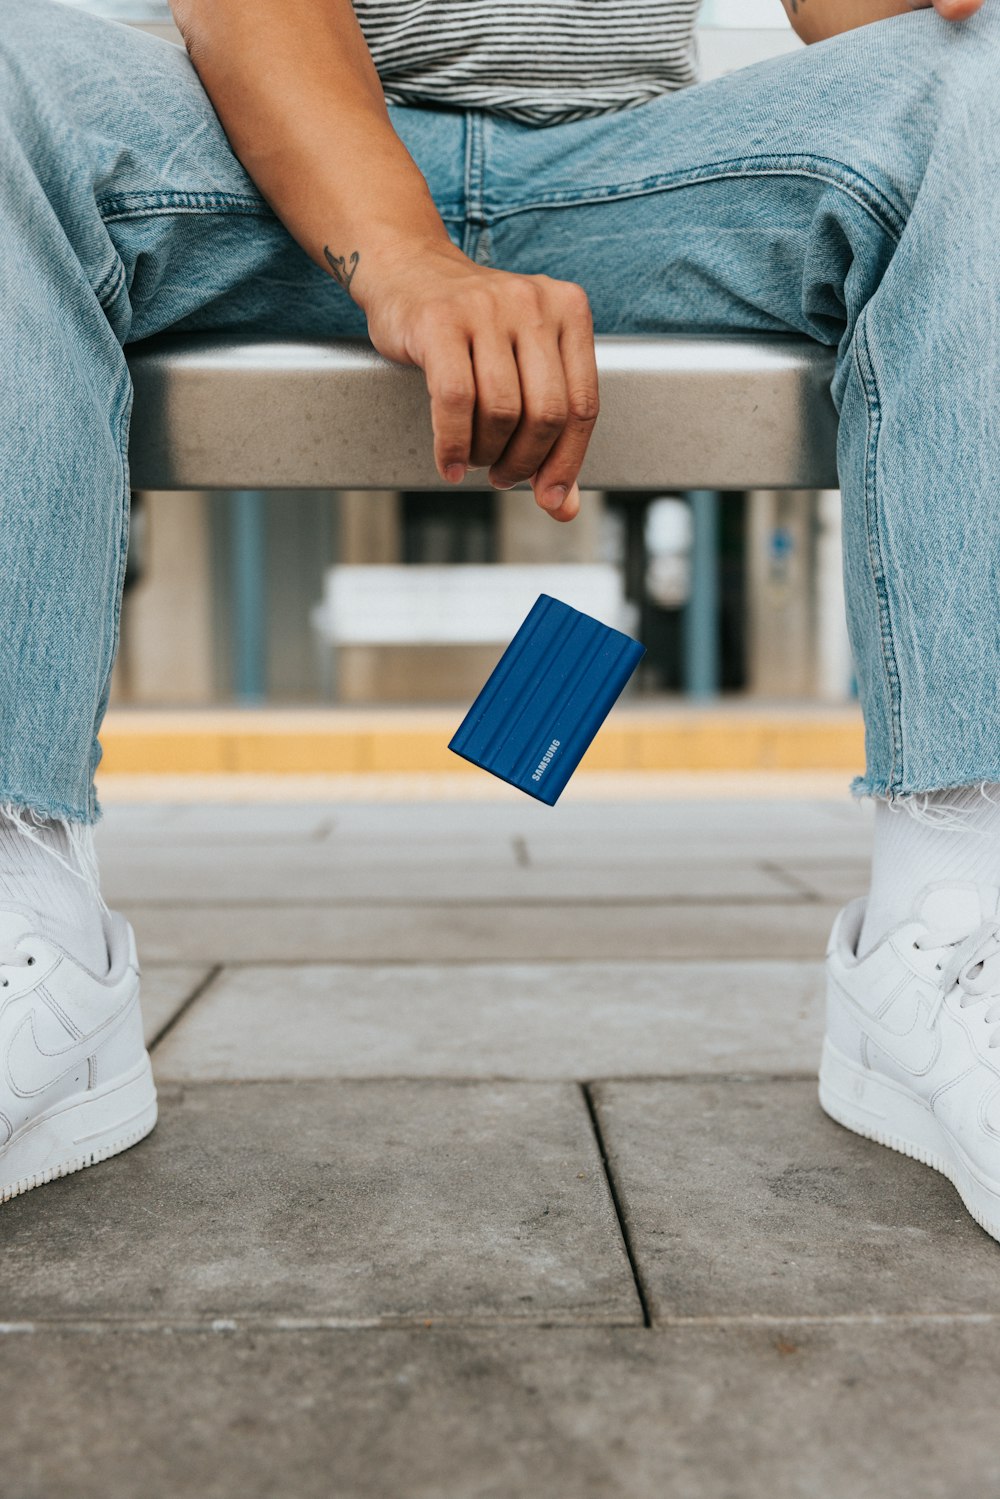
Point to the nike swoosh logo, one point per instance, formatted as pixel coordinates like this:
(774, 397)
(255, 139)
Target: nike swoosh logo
(914, 1050)
(32, 1069)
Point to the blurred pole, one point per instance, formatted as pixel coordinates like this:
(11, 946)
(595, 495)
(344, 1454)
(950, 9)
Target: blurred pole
(834, 666)
(247, 528)
(701, 613)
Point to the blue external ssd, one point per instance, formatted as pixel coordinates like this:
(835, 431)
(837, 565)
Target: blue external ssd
(546, 698)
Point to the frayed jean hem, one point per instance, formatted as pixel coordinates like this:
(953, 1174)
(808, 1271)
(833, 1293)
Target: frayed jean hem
(15, 804)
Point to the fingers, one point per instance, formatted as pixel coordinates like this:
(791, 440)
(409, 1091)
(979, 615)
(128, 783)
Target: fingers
(557, 476)
(452, 387)
(498, 397)
(569, 509)
(951, 10)
(544, 407)
(514, 388)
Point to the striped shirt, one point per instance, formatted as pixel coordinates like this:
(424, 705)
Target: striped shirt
(538, 61)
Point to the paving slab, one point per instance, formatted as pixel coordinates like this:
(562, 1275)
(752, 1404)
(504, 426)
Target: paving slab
(743, 1198)
(345, 1201)
(166, 988)
(167, 822)
(556, 1020)
(433, 932)
(700, 816)
(323, 852)
(557, 845)
(826, 880)
(563, 847)
(426, 848)
(262, 872)
(904, 1411)
(646, 831)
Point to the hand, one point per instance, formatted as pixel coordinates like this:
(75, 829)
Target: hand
(509, 364)
(952, 10)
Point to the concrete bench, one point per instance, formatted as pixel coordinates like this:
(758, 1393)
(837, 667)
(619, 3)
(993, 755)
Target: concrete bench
(687, 413)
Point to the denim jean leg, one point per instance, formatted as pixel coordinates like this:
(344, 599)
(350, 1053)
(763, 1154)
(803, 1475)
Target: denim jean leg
(123, 212)
(85, 110)
(920, 448)
(847, 192)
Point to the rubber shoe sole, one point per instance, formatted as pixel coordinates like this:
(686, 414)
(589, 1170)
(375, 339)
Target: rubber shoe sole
(81, 1132)
(885, 1111)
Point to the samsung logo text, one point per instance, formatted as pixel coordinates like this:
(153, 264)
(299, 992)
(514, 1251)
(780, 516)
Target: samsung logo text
(543, 763)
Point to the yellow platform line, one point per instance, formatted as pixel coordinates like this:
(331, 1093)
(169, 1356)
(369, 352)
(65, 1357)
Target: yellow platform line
(308, 743)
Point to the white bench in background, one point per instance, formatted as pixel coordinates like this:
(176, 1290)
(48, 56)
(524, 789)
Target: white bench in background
(466, 604)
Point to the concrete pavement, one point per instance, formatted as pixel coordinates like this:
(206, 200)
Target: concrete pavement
(489, 1165)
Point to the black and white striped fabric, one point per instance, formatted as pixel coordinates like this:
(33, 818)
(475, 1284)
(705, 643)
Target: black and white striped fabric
(538, 61)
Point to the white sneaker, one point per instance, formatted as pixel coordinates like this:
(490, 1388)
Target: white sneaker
(912, 1051)
(76, 1085)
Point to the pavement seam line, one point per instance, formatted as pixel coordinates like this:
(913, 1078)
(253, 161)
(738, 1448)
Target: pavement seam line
(478, 902)
(595, 1124)
(473, 1079)
(522, 856)
(199, 989)
(793, 882)
(382, 962)
(230, 1325)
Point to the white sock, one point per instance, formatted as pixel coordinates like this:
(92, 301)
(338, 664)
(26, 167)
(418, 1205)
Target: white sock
(941, 837)
(52, 872)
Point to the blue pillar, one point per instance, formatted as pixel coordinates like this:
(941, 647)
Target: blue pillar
(701, 614)
(247, 529)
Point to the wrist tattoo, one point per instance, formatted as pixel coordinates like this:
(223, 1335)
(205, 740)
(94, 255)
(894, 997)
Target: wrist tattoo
(342, 270)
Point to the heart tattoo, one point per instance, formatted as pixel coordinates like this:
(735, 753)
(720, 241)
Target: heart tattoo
(338, 265)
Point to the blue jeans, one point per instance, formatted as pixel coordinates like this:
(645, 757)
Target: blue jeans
(848, 192)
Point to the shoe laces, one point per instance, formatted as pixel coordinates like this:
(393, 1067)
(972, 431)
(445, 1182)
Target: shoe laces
(974, 965)
(12, 957)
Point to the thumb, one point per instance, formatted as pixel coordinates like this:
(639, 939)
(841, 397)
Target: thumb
(952, 10)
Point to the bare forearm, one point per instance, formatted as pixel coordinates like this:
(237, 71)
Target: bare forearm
(294, 86)
(508, 359)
